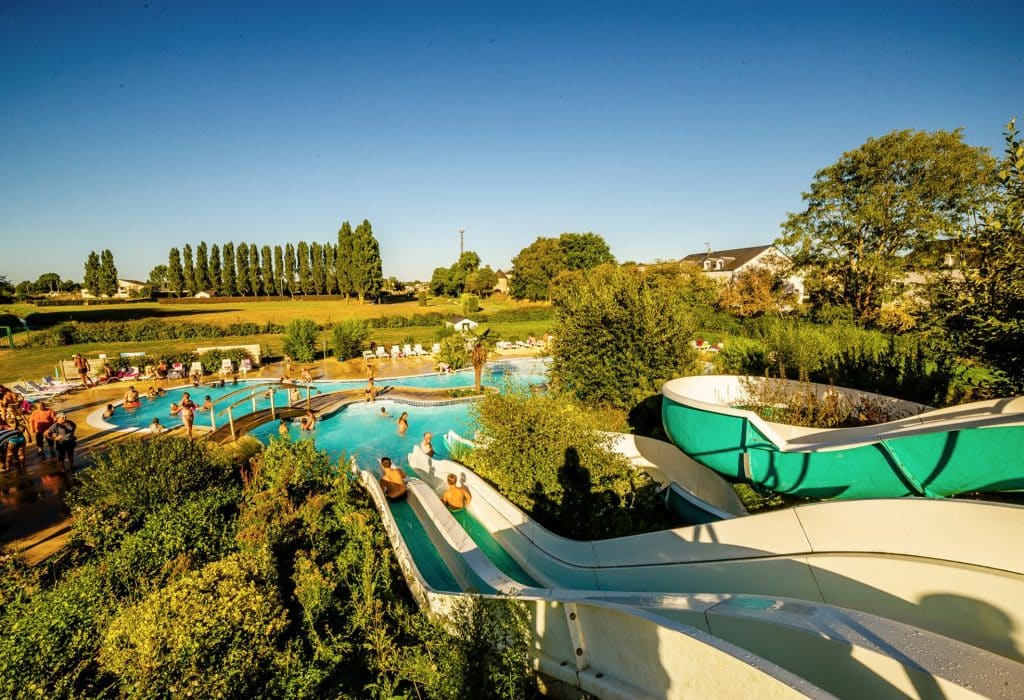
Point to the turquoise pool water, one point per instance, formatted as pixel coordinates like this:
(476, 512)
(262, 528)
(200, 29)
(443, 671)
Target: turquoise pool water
(530, 371)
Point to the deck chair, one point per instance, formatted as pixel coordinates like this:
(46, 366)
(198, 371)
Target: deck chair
(196, 368)
(407, 350)
(367, 355)
(38, 388)
(395, 351)
(435, 348)
(177, 371)
(381, 352)
(245, 366)
(418, 350)
(227, 367)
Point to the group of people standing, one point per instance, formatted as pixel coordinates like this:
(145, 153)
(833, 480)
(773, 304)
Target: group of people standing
(54, 434)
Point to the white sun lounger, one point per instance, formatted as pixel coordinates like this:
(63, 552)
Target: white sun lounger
(418, 350)
(381, 352)
(407, 350)
(395, 351)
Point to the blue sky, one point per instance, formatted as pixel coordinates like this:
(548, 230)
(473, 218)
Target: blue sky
(660, 125)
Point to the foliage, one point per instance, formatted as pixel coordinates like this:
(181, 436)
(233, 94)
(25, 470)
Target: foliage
(422, 298)
(228, 277)
(451, 281)
(348, 338)
(621, 332)
(985, 312)
(212, 360)
(91, 280)
(801, 404)
(481, 281)
(470, 303)
(300, 339)
(755, 293)
(453, 351)
(536, 266)
(367, 277)
(74, 333)
(889, 196)
(546, 454)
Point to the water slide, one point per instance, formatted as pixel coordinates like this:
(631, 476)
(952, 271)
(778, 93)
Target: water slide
(938, 452)
(824, 593)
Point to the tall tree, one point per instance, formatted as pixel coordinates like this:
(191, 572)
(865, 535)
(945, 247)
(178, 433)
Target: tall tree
(343, 259)
(255, 278)
(269, 283)
(367, 268)
(91, 281)
(885, 198)
(534, 269)
(158, 278)
(202, 267)
(175, 276)
(48, 283)
(228, 278)
(189, 271)
(584, 251)
(330, 271)
(108, 274)
(316, 267)
(214, 273)
(305, 274)
(242, 269)
(279, 280)
(289, 269)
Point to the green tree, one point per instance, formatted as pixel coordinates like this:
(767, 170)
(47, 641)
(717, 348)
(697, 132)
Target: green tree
(280, 285)
(242, 269)
(584, 251)
(367, 272)
(108, 274)
(255, 276)
(228, 277)
(300, 339)
(188, 270)
(343, 259)
(887, 197)
(214, 273)
(158, 278)
(534, 268)
(621, 333)
(47, 282)
(305, 272)
(441, 283)
(202, 267)
(269, 281)
(482, 281)
(330, 270)
(289, 269)
(91, 281)
(175, 276)
(478, 355)
(316, 267)
(348, 338)
(985, 311)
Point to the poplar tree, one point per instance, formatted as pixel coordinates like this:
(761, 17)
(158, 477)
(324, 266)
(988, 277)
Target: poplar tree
(108, 274)
(91, 281)
(305, 274)
(330, 271)
(242, 268)
(269, 286)
(202, 268)
(289, 269)
(228, 283)
(214, 271)
(175, 280)
(343, 259)
(255, 283)
(279, 279)
(367, 272)
(189, 271)
(317, 267)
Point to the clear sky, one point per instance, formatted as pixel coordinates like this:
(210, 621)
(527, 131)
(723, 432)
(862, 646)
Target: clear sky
(138, 126)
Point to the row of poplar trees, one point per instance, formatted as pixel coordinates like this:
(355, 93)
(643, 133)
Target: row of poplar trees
(352, 267)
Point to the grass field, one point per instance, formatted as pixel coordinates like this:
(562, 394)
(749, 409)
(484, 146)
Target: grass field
(24, 363)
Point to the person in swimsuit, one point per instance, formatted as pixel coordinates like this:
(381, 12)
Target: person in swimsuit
(131, 398)
(82, 365)
(456, 497)
(308, 421)
(403, 423)
(63, 433)
(426, 446)
(39, 421)
(282, 427)
(187, 411)
(393, 480)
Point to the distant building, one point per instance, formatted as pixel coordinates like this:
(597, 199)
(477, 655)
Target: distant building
(126, 289)
(461, 323)
(501, 286)
(205, 294)
(725, 265)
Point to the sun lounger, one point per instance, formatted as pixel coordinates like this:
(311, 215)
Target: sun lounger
(395, 352)
(381, 352)
(177, 371)
(227, 367)
(196, 368)
(407, 350)
(42, 389)
(418, 350)
(245, 366)
(435, 348)
(367, 355)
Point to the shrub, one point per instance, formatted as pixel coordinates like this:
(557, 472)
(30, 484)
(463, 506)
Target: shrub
(470, 303)
(422, 296)
(547, 455)
(300, 339)
(212, 633)
(348, 338)
(212, 359)
(453, 351)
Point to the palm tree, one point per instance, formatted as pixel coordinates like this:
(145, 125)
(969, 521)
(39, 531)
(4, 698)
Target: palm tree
(478, 355)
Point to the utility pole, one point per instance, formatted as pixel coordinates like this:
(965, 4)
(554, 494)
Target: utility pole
(462, 241)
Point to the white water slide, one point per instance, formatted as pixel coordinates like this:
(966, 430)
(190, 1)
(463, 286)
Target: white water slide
(882, 598)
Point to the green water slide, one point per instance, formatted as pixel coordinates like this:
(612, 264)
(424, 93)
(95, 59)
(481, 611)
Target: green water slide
(934, 453)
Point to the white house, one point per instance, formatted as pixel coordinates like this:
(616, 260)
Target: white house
(125, 289)
(725, 265)
(461, 323)
(205, 294)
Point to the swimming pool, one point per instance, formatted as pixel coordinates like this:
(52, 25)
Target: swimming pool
(496, 374)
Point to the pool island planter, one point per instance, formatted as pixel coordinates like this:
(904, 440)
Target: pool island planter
(928, 452)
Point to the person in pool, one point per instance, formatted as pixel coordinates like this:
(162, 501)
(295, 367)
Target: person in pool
(110, 411)
(282, 427)
(308, 421)
(156, 427)
(403, 423)
(131, 398)
(392, 481)
(207, 403)
(456, 497)
(426, 446)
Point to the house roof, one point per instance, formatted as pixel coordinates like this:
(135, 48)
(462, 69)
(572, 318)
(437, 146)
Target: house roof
(734, 258)
(124, 281)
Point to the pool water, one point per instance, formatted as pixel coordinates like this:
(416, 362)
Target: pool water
(496, 374)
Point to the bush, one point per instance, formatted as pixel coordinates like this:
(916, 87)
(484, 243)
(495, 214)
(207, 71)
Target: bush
(141, 330)
(348, 338)
(422, 296)
(212, 359)
(470, 303)
(300, 339)
(546, 454)
(453, 351)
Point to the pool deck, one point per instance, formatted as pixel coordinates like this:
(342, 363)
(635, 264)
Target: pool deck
(33, 518)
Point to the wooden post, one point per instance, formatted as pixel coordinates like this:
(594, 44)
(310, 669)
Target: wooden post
(273, 412)
(309, 386)
(231, 421)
